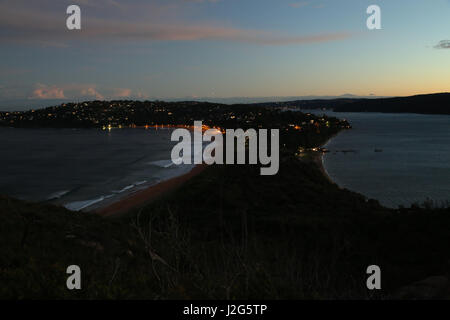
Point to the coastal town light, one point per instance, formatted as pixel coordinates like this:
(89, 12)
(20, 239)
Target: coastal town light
(213, 153)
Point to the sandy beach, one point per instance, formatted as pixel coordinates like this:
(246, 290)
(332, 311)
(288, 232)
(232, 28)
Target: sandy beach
(144, 197)
(318, 160)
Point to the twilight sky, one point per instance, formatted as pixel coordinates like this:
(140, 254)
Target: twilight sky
(221, 48)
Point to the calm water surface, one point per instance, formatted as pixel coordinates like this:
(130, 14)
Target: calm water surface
(398, 159)
(83, 167)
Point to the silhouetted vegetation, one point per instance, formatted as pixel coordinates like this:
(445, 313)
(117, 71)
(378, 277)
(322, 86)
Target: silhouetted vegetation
(227, 233)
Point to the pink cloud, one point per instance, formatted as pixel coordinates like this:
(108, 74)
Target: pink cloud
(91, 92)
(46, 92)
(141, 95)
(122, 93)
(22, 25)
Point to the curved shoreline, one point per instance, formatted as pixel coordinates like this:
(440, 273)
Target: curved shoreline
(146, 196)
(319, 161)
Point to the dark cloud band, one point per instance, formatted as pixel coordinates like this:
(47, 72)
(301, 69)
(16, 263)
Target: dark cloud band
(444, 44)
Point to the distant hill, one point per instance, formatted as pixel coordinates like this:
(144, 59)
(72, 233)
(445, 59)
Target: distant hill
(267, 100)
(312, 104)
(426, 104)
(438, 103)
(27, 104)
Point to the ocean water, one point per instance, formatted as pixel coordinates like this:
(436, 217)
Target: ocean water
(83, 168)
(398, 159)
